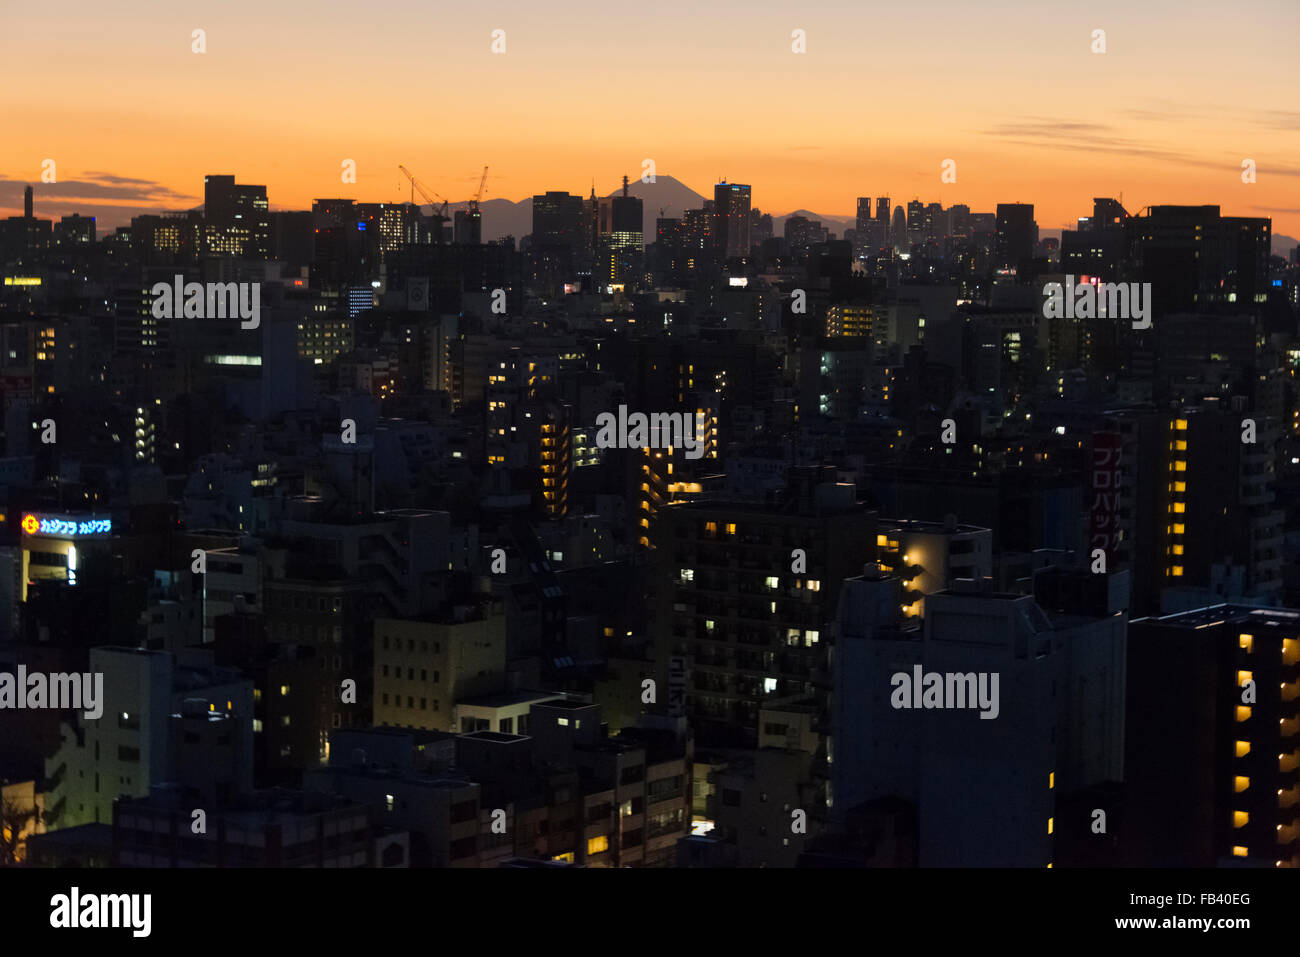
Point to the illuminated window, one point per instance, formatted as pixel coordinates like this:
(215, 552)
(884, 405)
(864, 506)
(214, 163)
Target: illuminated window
(731, 528)
(1243, 713)
(814, 585)
(1240, 818)
(688, 574)
(1050, 824)
(1243, 748)
(1178, 507)
(1176, 571)
(772, 582)
(1180, 445)
(1180, 424)
(1246, 642)
(597, 845)
(1239, 851)
(1244, 676)
(1179, 529)
(1051, 779)
(1178, 549)
(284, 690)
(1180, 466)
(811, 638)
(562, 722)
(710, 528)
(1179, 487)
(1240, 783)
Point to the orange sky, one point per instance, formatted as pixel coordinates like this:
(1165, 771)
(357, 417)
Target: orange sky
(1011, 91)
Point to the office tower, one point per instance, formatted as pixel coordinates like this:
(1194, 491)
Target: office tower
(731, 203)
(236, 218)
(1192, 257)
(882, 210)
(1098, 246)
(388, 222)
(74, 230)
(862, 224)
(916, 231)
(936, 223)
(1212, 780)
(960, 222)
(1017, 234)
(670, 252)
(623, 243)
(1196, 516)
(699, 225)
(867, 228)
(468, 227)
(756, 631)
(760, 227)
(557, 238)
(1108, 215)
(898, 231)
(27, 202)
(1052, 726)
(802, 234)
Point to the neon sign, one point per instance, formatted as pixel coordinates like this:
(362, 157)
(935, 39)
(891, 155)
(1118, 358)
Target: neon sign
(54, 525)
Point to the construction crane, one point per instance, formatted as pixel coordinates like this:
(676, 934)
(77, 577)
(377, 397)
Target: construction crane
(417, 186)
(478, 197)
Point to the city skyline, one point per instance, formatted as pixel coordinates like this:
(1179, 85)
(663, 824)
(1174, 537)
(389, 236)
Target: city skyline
(1106, 124)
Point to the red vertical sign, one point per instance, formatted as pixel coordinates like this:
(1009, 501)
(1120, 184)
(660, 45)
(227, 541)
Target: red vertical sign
(1104, 532)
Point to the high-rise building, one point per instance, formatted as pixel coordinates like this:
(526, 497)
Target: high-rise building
(864, 215)
(468, 228)
(898, 230)
(731, 204)
(1192, 257)
(1211, 723)
(1017, 235)
(754, 630)
(1196, 514)
(237, 219)
(623, 245)
(557, 238)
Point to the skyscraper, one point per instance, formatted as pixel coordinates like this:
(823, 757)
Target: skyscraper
(622, 247)
(1017, 233)
(237, 220)
(557, 237)
(731, 203)
(864, 215)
